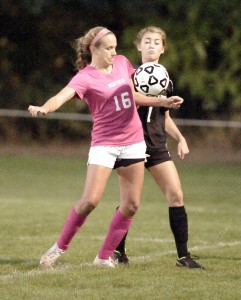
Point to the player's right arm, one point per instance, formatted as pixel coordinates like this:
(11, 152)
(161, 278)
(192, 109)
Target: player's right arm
(53, 103)
(143, 100)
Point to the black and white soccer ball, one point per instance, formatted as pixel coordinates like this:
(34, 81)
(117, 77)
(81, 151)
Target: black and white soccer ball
(151, 79)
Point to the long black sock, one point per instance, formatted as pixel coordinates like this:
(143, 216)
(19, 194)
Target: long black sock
(122, 246)
(179, 226)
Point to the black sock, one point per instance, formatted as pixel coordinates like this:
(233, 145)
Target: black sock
(179, 226)
(122, 246)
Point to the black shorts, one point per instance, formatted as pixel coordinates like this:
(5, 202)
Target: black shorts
(157, 157)
(125, 162)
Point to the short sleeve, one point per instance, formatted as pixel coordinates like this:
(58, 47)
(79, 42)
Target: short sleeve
(79, 84)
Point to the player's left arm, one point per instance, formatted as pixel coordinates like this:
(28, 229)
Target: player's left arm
(173, 131)
(143, 100)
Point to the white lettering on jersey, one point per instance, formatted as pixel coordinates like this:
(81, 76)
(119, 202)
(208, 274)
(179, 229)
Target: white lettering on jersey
(115, 83)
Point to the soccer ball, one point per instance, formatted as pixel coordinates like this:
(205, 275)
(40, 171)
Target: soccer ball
(151, 79)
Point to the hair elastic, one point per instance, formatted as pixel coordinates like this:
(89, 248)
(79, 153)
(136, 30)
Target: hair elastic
(99, 35)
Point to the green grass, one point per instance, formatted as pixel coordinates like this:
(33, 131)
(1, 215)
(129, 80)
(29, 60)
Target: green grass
(36, 194)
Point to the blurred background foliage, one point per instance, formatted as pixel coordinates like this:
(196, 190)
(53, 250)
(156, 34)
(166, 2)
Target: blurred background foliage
(37, 60)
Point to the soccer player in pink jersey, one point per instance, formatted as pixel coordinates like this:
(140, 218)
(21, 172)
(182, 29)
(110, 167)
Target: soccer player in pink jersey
(104, 83)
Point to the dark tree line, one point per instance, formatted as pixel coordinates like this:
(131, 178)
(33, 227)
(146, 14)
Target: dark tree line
(203, 57)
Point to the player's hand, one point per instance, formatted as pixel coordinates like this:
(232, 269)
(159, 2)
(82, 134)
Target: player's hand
(182, 148)
(36, 110)
(174, 102)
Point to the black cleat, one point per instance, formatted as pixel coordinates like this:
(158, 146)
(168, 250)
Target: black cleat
(188, 262)
(120, 257)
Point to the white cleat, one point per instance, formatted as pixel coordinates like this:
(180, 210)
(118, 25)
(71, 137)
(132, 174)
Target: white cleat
(106, 263)
(49, 258)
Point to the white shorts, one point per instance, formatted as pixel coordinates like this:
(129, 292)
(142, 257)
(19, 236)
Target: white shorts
(107, 155)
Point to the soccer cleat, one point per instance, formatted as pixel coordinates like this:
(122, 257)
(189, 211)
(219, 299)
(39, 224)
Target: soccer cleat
(48, 258)
(188, 262)
(120, 257)
(106, 263)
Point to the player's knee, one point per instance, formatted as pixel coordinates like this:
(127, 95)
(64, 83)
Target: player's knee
(91, 205)
(175, 198)
(87, 206)
(133, 207)
(129, 209)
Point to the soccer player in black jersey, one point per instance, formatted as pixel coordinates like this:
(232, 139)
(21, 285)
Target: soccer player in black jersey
(156, 122)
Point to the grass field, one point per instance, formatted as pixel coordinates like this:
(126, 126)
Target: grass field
(36, 194)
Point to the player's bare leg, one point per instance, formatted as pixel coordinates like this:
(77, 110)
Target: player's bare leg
(97, 176)
(130, 193)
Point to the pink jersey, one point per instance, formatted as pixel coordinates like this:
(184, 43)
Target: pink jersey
(111, 103)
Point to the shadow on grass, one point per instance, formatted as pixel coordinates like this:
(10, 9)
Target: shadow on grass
(220, 258)
(19, 262)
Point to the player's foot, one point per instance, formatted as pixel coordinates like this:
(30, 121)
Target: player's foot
(106, 263)
(48, 258)
(188, 262)
(120, 257)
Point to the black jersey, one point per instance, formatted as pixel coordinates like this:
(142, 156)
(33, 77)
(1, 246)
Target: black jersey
(153, 123)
